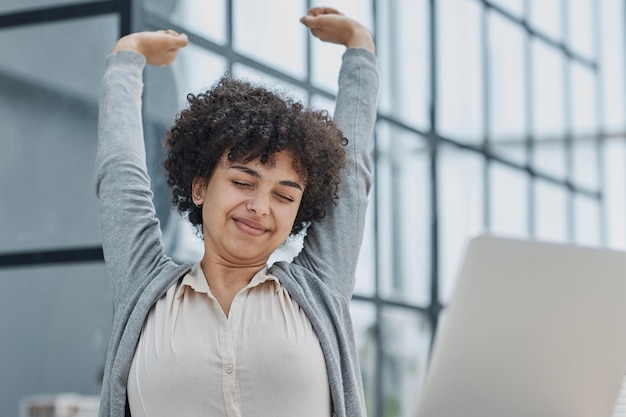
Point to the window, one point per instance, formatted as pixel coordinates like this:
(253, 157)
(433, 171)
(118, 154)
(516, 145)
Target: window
(498, 115)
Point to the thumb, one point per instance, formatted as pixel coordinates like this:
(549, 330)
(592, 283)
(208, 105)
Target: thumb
(308, 21)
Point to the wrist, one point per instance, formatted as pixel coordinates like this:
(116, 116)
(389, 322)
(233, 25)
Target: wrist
(361, 38)
(127, 43)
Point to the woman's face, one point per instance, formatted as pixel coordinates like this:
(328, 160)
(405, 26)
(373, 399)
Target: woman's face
(248, 209)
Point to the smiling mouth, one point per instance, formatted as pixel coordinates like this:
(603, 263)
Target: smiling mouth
(249, 227)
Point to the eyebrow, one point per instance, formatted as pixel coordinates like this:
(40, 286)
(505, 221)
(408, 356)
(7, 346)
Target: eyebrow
(256, 174)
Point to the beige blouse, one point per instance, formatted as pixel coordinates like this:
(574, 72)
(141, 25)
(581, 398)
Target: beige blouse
(264, 360)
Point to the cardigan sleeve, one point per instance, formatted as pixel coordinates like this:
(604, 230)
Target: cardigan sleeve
(131, 235)
(332, 245)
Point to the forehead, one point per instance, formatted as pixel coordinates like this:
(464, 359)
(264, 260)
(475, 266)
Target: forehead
(282, 162)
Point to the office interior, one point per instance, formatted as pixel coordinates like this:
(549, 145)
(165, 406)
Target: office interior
(505, 116)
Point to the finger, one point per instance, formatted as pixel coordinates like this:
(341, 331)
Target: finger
(317, 11)
(317, 33)
(330, 10)
(313, 11)
(170, 57)
(180, 41)
(183, 40)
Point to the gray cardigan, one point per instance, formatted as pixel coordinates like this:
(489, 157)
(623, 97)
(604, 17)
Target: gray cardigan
(321, 278)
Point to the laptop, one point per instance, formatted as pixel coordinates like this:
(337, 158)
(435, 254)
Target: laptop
(532, 330)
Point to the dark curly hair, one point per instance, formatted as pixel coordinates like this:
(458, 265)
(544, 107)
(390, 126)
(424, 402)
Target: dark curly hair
(247, 122)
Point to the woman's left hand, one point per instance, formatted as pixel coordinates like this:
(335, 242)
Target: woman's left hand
(329, 25)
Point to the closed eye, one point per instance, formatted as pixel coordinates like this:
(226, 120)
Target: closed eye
(241, 184)
(285, 198)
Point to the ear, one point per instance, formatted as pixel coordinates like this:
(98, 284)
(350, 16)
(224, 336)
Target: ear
(198, 187)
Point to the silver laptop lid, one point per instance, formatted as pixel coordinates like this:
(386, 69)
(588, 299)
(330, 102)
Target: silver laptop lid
(532, 330)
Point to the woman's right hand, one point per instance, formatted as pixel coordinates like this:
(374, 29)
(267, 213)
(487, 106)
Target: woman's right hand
(159, 47)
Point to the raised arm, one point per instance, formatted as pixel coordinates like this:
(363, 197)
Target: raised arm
(332, 244)
(131, 237)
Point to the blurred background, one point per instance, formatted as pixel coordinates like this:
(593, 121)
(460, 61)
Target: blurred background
(503, 115)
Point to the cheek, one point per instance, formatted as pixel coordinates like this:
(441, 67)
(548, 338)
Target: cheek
(289, 215)
(225, 199)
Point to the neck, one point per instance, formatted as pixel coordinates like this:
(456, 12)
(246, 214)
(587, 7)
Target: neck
(226, 280)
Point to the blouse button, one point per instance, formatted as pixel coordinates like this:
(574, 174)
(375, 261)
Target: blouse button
(229, 368)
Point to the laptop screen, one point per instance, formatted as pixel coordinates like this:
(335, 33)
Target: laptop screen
(532, 329)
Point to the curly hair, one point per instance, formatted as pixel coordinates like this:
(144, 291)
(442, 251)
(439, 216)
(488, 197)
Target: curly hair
(245, 123)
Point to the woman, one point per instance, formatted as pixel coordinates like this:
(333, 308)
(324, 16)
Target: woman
(230, 336)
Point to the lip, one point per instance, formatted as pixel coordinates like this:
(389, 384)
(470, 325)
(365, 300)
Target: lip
(250, 227)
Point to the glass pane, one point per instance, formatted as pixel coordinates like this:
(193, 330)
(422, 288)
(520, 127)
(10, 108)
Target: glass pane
(509, 201)
(160, 105)
(513, 6)
(366, 267)
(405, 77)
(547, 90)
(326, 61)
(49, 84)
(326, 57)
(364, 323)
(181, 241)
(586, 163)
(406, 338)
(507, 128)
(587, 231)
(581, 27)
(584, 106)
(252, 75)
(166, 88)
(548, 114)
(549, 156)
(322, 103)
(403, 214)
(56, 322)
(14, 6)
(276, 39)
(614, 155)
(550, 212)
(460, 184)
(546, 16)
(459, 77)
(196, 70)
(53, 57)
(611, 65)
(205, 18)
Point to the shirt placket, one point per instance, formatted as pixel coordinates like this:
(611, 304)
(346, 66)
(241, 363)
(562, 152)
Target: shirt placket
(228, 334)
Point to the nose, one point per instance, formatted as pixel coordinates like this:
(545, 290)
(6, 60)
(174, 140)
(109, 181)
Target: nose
(259, 204)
